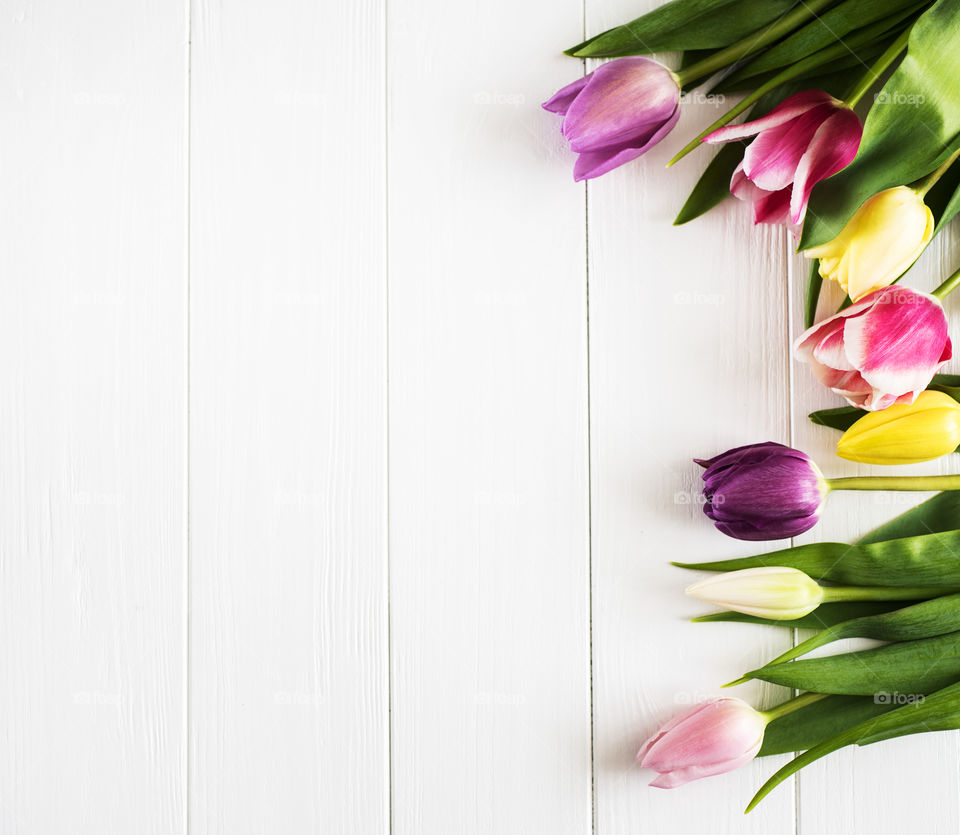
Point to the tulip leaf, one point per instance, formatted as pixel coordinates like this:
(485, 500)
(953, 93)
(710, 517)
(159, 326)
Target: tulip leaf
(825, 615)
(925, 619)
(944, 198)
(713, 185)
(937, 712)
(842, 418)
(938, 514)
(912, 128)
(823, 31)
(932, 559)
(812, 724)
(683, 25)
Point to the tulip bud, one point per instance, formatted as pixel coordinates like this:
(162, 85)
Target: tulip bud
(806, 138)
(616, 113)
(710, 738)
(905, 433)
(762, 491)
(771, 592)
(882, 239)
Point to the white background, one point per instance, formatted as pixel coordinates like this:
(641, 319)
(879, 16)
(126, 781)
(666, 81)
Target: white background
(345, 440)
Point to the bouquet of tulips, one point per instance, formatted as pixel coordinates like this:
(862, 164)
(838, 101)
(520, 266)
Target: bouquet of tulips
(850, 139)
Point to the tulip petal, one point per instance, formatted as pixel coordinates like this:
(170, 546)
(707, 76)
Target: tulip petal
(833, 147)
(790, 108)
(563, 98)
(592, 164)
(772, 158)
(623, 100)
(680, 776)
(899, 346)
(773, 207)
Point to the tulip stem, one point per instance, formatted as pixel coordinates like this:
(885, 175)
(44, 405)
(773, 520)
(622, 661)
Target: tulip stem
(926, 483)
(931, 179)
(751, 44)
(947, 287)
(838, 50)
(870, 77)
(795, 703)
(836, 594)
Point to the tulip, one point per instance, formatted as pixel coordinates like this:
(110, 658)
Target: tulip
(771, 592)
(905, 433)
(806, 138)
(762, 491)
(882, 239)
(710, 738)
(616, 113)
(882, 350)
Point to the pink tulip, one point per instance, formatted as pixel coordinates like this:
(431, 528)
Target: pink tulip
(806, 138)
(882, 350)
(616, 113)
(711, 738)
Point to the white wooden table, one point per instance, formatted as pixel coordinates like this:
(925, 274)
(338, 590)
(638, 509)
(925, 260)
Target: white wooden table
(345, 439)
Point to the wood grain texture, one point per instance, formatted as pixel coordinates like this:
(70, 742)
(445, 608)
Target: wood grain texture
(92, 404)
(288, 664)
(488, 426)
(688, 358)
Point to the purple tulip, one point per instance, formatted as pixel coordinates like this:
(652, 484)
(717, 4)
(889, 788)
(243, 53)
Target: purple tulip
(616, 113)
(762, 491)
(806, 138)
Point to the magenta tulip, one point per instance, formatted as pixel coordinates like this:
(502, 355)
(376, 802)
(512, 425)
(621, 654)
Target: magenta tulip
(616, 113)
(711, 738)
(882, 350)
(806, 138)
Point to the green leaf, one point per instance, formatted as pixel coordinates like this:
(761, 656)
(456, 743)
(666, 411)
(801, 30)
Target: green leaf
(930, 560)
(937, 712)
(713, 185)
(910, 667)
(842, 418)
(824, 31)
(944, 198)
(938, 514)
(684, 25)
(812, 724)
(911, 129)
(926, 619)
(825, 615)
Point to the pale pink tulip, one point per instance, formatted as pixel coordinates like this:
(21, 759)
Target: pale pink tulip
(710, 738)
(806, 138)
(884, 349)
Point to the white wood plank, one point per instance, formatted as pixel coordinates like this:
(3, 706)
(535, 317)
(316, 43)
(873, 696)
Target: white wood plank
(288, 419)
(688, 358)
(488, 425)
(92, 404)
(905, 785)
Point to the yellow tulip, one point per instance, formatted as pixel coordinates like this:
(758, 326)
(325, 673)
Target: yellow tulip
(905, 433)
(883, 238)
(770, 592)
